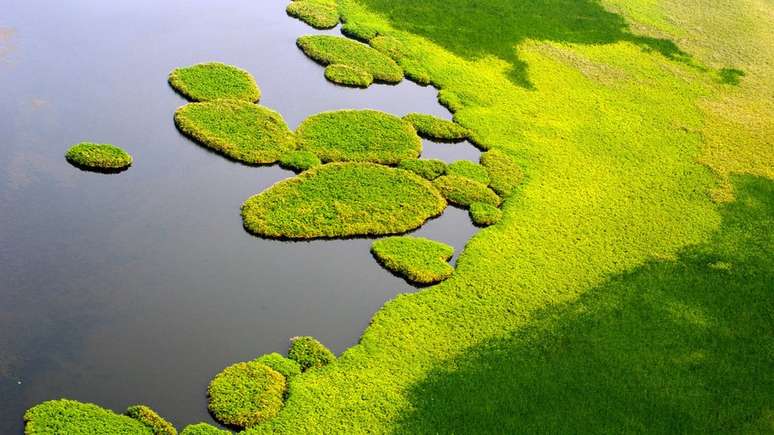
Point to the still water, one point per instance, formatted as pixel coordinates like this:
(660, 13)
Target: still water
(139, 287)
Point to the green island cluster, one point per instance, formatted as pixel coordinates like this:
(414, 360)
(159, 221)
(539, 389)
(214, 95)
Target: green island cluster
(363, 59)
(98, 157)
(320, 14)
(419, 260)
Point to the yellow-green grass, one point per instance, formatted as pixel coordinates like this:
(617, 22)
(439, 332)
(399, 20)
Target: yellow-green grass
(242, 131)
(356, 31)
(347, 75)
(203, 429)
(149, 417)
(504, 173)
(284, 366)
(299, 161)
(359, 136)
(329, 50)
(463, 191)
(429, 169)
(75, 418)
(309, 353)
(419, 260)
(214, 81)
(246, 394)
(343, 200)
(320, 14)
(468, 169)
(98, 157)
(437, 129)
(484, 214)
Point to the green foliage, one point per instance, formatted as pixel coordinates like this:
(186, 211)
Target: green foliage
(320, 14)
(437, 129)
(203, 429)
(504, 173)
(213, 81)
(309, 353)
(359, 32)
(463, 191)
(151, 419)
(299, 161)
(359, 135)
(75, 418)
(284, 366)
(246, 394)
(240, 130)
(429, 169)
(348, 75)
(417, 259)
(343, 200)
(329, 50)
(484, 214)
(88, 155)
(468, 169)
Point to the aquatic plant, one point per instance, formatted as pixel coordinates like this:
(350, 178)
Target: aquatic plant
(320, 14)
(483, 214)
(93, 156)
(429, 169)
(347, 75)
(151, 419)
(468, 169)
(504, 173)
(299, 161)
(329, 50)
(213, 81)
(309, 353)
(246, 393)
(284, 366)
(71, 417)
(437, 129)
(417, 259)
(463, 191)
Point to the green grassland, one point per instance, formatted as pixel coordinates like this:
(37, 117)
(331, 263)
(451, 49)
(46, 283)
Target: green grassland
(93, 156)
(213, 81)
(420, 260)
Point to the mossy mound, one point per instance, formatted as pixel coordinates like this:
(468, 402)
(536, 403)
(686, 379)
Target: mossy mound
(347, 75)
(343, 200)
(309, 353)
(203, 429)
(419, 260)
(75, 418)
(463, 191)
(151, 419)
(240, 130)
(437, 129)
(429, 169)
(320, 14)
(468, 169)
(98, 157)
(284, 366)
(358, 136)
(299, 161)
(246, 394)
(358, 31)
(504, 173)
(214, 81)
(484, 214)
(329, 50)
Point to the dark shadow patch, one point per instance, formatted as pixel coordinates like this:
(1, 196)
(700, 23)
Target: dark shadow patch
(731, 76)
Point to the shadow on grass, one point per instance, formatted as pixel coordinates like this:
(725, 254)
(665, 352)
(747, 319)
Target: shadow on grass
(671, 347)
(477, 28)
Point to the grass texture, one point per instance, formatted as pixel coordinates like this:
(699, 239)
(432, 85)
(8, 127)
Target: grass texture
(360, 136)
(214, 81)
(429, 169)
(331, 50)
(309, 353)
(504, 173)
(240, 130)
(419, 260)
(246, 394)
(151, 419)
(343, 200)
(203, 429)
(75, 418)
(93, 156)
(484, 214)
(463, 191)
(437, 129)
(299, 161)
(468, 169)
(347, 75)
(284, 366)
(320, 14)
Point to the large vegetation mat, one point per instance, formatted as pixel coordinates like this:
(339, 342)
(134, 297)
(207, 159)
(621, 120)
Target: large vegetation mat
(213, 81)
(330, 50)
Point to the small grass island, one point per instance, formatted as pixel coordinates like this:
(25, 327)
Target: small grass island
(98, 157)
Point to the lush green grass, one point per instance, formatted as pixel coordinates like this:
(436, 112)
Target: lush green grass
(203, 429)
(320, 14)
(75, 418)
(437, 129)
(468, 169)
(504, 173)
(347, 75)
(463, 191)
(484, 214)
(240, 130)
(419, 260)
(284, 366)
(426, 168)
(309, 353)
(93, 156)
(213, 81)
(359, 135)
(329, 50)
(151, 419)
(299, 161)
(246, 393)
(343, 200)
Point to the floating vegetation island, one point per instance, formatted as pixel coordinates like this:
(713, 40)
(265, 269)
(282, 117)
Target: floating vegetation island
(417, 259)
(437, 129)
(320, 14)
(333, 50)
(246, 393)
(98, 157)
(214, 81)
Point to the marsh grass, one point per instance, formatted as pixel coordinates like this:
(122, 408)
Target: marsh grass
(437, 129)
(214, 81)
(320, 14)
(417, 259)
(329, 50)
(246, 394)
(98, 157)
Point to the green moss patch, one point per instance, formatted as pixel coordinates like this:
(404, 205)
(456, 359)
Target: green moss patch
(347, 75)
(417, 259)
(320, 14)
(98, 157)
(463, 191)
(358, 31)
(504, 173)
(484, 214)
(203, 429)
(237, 129)
(151, 419)
(359, 135)
(437, 129)
(284, 366)
(343, 200)
(309, 353)
(429, 169)
(299, 161)
(75, 418)
(468, 169)
(246, 394)
(213, 81)
(329, 50)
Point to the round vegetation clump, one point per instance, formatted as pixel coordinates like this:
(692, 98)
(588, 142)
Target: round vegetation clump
(246, 394)
(203, 429)
(331, 50)
(214, 81)
(98, 157)
(71, 417)
(299, 161)
(437, 129)
(309, 353)
(504, 173)
(419, 260)
(284, 366)
(348, 76)
(468, 169)
(343, 200)
(320, 14)
(463, 191)
(484, 214)
(151, 419)
(240, 130)
(428, 169)
(358, 136)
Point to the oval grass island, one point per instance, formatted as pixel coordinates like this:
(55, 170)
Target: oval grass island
(98, 157)
(213, 81)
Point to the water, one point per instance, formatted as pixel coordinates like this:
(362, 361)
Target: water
(139, 287)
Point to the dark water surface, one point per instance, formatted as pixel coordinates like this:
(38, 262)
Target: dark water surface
(139, 287)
